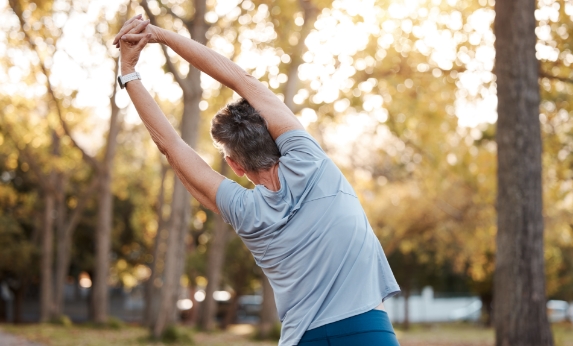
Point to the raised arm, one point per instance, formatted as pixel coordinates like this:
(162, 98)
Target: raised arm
(278, 116)
(197, 176)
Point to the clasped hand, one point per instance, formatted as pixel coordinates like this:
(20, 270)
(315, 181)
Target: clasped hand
(131, 40)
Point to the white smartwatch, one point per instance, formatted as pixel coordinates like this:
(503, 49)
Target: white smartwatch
(122, 80)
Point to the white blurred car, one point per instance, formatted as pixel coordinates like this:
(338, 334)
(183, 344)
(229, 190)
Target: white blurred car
(557, 311)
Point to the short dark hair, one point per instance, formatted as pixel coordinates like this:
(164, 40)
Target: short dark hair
(240, 132)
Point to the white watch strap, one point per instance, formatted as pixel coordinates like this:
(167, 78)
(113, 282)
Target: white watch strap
(129, 78)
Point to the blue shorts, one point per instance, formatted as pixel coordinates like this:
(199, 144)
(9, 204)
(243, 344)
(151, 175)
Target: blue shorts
(372, 328)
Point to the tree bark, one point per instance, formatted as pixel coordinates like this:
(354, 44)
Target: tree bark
(46, 297)
(406, 322)
(520, 316)
(170, 284)
(153, 285)
(180, 204)
(231, 315)
(105, 214)
(215, 260)
(64, 246)
(102, 244)
(18, 300)
(60, 273)
(269, 315)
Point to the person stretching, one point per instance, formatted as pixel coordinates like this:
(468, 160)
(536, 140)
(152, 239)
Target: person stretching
(302, 222)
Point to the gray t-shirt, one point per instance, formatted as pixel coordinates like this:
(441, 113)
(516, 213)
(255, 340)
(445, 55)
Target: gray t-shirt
(311, 238)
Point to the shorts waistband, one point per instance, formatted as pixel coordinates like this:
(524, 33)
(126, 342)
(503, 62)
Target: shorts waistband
(373, 320)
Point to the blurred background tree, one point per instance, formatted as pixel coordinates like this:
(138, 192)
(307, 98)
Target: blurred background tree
(401, 94)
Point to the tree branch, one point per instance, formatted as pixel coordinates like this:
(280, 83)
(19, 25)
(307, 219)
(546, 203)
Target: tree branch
(79, 209)
(18, 11)
(170, 66)
(42, 178)
(185, 21)
(543, 74)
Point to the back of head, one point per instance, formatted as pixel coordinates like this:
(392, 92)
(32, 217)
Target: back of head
(240, 132)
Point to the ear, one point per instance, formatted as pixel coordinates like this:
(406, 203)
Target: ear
(235, 166)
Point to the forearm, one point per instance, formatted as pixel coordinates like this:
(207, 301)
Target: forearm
(278, 116)
(199, 179)
(207, 60)
(153, 118)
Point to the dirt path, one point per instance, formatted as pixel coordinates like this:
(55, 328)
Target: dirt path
(12, 340)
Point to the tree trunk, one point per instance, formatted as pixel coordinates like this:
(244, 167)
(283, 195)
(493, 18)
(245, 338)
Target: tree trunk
(46, 298)
(18, 300)
(170, 284)
(105, 213)
(215, 260)
(231, 315)
(192, 95)
(103, 242)
(406, 322)
(310, 13)
(519, 295)
(269, 315)
(64, 246)
(46, 273)
(180, 205)
(153, 285)
(3, 309)
(61, 271)
(487, 311)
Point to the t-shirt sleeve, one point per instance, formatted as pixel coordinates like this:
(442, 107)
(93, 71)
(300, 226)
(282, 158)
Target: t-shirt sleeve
(247, 214)
(233, 202)
(300, 144)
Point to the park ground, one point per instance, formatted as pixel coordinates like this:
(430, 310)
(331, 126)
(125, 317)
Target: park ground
(240, 335)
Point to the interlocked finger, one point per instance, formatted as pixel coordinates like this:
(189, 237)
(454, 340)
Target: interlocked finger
(139, 27)
(136, 27)
(144, 40)
(127, 28)
(133, 38)
(128, 25)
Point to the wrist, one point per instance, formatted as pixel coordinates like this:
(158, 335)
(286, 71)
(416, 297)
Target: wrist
(162, 36)
(127, 69)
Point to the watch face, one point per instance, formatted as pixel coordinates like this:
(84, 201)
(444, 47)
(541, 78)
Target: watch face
(119, 81)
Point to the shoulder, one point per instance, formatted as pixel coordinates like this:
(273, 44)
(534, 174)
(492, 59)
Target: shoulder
(299, 143)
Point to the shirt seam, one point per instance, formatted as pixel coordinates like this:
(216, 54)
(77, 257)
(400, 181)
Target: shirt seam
(327, 196)
(349, 194)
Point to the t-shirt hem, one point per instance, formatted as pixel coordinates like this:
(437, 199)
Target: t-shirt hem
(354, 312)
(372, 305)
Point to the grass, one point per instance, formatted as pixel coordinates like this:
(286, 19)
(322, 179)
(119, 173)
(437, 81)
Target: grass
(240, 335)
(128, 335)
(463, 334)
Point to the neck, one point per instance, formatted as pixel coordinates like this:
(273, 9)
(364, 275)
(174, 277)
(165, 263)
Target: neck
(268, 178)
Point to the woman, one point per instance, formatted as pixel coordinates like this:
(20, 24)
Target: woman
(302, 222)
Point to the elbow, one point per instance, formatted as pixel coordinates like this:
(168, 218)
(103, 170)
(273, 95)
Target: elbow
(162, 149)
(159, 143)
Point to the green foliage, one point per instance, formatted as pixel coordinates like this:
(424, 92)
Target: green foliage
(174, 334)
(115, 323)
(427, 181)
(62, 320)
(274, 333)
